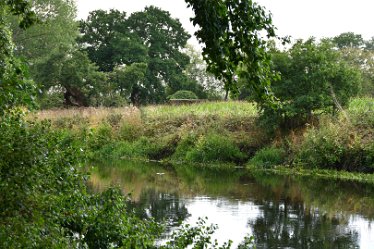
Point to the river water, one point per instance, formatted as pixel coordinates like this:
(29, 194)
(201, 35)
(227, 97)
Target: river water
(279, 211)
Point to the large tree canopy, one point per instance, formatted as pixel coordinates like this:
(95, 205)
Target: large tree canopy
(165, 38)
(108, 41)
(151, 37)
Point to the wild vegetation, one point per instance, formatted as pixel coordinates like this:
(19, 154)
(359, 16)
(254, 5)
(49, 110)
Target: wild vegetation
(222, 132)
(44, 199)
(311, 119)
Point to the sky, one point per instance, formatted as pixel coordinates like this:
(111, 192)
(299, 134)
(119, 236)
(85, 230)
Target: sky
(299, 19)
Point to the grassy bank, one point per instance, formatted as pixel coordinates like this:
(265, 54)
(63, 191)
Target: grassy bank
(222, 132)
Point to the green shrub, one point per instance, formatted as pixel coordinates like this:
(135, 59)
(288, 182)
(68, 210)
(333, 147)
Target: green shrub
(185, 145)
(268, 157)
(183, 94)
(130, 131)
(323, 147)
(213, 148)
(335, 146)
(155, 148)
(51, 100)
(314, 79)
(44, 197)
(100, 136)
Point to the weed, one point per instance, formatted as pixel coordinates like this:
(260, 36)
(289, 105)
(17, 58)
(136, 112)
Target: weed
(214, 147)
(268, 157)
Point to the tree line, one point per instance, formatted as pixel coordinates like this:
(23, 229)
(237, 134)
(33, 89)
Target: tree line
(111, 58)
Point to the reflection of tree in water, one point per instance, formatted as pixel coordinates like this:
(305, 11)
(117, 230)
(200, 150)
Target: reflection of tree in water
(286, 224)
(162, 207)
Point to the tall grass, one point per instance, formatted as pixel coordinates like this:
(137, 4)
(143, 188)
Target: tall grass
(221, 131)
(361, 111)
(222, 109)
(92, 116)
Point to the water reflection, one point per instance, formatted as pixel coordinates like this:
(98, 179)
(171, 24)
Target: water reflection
(281, 212)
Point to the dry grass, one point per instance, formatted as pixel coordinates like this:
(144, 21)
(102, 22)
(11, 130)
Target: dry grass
(223, 109)
(94, 116)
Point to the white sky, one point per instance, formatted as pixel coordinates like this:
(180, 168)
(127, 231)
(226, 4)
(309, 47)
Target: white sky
(297, 18)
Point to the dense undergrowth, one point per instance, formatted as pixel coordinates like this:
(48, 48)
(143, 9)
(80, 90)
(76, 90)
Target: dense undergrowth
(225, 132)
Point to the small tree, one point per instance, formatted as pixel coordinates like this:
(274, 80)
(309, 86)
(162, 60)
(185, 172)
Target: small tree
(314, 78)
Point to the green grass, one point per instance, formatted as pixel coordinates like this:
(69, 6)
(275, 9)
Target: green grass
(361, 111)
(229, 109)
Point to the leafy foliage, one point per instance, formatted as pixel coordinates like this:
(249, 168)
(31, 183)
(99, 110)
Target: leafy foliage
(165, 37)
(109, 42)
(129, 80)
(358, 53)
(71, 71)
(231, 32)
(45, 200)
(336, 146)
(56, 28)
(142, 52)
(214, 148)
(268, 157)
(314, 79)
(16, 89)
(199, 236)
(205, 84)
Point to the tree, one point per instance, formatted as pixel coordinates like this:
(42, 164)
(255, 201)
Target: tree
(358, 53)
(15, 87)
(314, 77)
(129, 80)
(165, 38)
(71, 71)
(205, 82)
(348, 40)
(56, 28)
(108, 41)
(231, 32)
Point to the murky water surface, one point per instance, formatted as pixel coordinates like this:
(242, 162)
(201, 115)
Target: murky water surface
(280, 212)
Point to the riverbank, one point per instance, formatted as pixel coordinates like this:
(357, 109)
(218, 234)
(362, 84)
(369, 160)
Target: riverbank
(222, 133)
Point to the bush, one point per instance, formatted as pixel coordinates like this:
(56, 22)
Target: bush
(213, 148)
(44, 201)
(268, 157)
(100, 136)
(156, 148)
(335, 146)
(183, 94)
(185, 145)
(130, 131)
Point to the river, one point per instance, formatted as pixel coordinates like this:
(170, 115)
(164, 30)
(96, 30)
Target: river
(279, 211)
